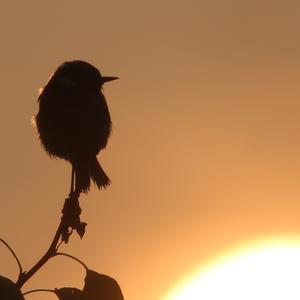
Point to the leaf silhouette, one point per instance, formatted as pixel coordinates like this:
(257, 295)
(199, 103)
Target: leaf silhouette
(9, 290)
(68, 293)
(101, 287)
(71, 217)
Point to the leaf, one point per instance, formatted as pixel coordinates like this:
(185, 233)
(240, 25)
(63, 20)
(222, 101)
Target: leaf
(81, 229)
(101, 287)
(68, 293)
(71, 217)
(9, 290)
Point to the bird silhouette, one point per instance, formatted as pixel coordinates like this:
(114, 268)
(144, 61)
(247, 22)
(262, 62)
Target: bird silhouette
(73, 121)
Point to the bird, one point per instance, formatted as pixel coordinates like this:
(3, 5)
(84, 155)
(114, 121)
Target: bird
(73, 121)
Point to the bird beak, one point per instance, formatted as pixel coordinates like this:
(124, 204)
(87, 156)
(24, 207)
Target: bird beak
(108, 78)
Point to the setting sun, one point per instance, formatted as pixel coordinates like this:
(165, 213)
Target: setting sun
(262, 270)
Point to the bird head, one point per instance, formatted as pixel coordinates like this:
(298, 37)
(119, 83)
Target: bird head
(82, 74)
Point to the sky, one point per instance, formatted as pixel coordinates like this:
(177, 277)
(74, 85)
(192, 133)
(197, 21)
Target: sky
(205, 148)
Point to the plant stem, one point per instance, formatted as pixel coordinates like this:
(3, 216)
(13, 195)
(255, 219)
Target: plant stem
(71, 212)
(38, 290)
(15, 256)
(72, 180)
(50, 253)
(72, 257)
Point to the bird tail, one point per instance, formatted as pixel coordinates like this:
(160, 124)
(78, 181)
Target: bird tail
(82, 177)
(98, 175)
(85, 171)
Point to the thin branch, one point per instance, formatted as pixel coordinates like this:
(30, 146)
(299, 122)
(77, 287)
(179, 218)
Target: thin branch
(15, 256)
(38, 290)
(62, 232)
(72, 257)
(50, 253)
(59, 244)
(72, 180)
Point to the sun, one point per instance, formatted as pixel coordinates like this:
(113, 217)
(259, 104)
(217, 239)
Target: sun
(261, 270)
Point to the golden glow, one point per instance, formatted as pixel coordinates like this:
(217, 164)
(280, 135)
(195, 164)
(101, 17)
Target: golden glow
(262, 270)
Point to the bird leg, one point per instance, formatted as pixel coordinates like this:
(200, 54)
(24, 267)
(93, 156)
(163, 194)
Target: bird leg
(72, 180)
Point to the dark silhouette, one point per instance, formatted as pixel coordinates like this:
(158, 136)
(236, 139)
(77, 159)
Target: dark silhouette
(73, 121)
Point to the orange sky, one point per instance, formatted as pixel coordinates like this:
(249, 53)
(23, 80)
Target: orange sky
(205, 146)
